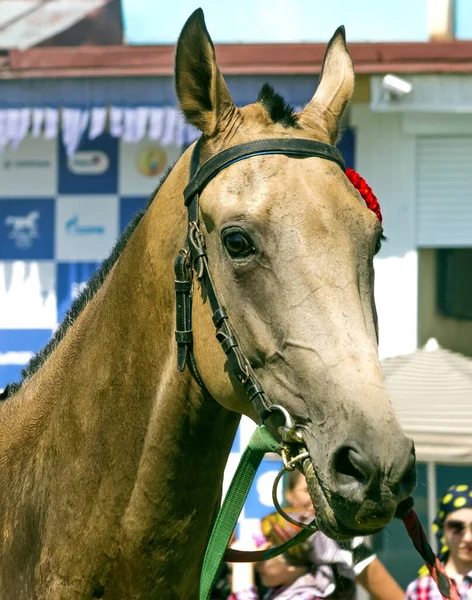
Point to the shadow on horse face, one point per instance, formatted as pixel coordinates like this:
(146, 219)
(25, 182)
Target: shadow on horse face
(290, 245)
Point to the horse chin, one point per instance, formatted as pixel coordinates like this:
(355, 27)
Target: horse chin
(325, 516)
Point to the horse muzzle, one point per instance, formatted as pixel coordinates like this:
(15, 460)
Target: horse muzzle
(354, 496)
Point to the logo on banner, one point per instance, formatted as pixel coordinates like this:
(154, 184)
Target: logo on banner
(24, 229)
(88, 162)
(151, 161)
(74, 227)
(27, 229)
(26, 163)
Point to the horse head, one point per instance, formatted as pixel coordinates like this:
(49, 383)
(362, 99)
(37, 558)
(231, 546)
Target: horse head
(290, 244)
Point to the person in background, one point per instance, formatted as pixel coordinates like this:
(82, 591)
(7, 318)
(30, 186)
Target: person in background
(369, 572)
(453, 527)
(292, 575)
(222, 586)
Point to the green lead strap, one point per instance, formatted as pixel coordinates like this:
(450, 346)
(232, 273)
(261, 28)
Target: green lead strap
(261, 442)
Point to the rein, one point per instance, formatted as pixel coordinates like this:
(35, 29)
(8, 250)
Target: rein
(192, 258)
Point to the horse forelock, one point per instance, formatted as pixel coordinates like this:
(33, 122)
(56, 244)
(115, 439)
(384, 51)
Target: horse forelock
(279, 111)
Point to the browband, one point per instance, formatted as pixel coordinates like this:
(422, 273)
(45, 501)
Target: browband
(199, 177)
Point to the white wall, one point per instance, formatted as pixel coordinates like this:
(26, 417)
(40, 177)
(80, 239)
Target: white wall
(385, 157)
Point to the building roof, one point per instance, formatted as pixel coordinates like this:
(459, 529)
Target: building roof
(237, 59)
(29, 23)
(431, 390)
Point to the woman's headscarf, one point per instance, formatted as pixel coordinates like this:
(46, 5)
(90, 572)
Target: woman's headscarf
(456, 497)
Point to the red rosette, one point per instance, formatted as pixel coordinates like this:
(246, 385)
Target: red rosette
(365, 191)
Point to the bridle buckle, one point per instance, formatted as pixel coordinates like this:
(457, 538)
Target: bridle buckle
(197, 249)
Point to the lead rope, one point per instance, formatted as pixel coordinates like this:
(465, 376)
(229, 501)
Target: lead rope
(260, 443)
(436, 569)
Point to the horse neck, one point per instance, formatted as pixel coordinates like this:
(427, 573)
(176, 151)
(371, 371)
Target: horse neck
(111, 395)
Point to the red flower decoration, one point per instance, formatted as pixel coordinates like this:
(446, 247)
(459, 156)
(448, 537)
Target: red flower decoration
(365, 191)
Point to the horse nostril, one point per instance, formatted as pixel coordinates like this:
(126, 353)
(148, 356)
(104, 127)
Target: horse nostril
(351, 466)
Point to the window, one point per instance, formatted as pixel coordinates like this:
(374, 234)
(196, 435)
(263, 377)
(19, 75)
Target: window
(454, 282)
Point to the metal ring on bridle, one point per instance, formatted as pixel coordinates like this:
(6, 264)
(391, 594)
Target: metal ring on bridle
(280, 510)
(289, 422)
(288, 432)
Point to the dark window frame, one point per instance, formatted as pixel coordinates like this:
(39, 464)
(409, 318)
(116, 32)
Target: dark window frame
(453, 296)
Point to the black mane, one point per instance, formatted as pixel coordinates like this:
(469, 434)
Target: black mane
(77, 306)
(279, 111)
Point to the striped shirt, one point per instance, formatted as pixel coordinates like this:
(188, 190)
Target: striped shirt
(424, 588)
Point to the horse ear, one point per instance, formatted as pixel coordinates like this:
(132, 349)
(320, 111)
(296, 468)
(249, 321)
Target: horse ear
(335, 88)
(202, 92)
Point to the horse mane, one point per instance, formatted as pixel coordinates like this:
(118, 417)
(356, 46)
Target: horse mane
(78, 305)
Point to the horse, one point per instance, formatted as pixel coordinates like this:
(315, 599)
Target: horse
(111, 459)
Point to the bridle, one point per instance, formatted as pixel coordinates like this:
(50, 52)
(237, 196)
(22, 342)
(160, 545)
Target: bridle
(193, 257)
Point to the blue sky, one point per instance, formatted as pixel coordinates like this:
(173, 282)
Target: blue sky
(160, 21)
(463, 24)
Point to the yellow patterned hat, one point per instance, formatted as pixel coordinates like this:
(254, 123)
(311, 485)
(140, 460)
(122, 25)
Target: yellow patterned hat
(456, 497)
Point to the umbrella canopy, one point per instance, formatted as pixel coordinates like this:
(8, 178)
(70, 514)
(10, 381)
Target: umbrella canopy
(431, 390)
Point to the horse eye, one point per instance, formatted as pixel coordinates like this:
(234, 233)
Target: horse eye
(237, 243)
(378, 244)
